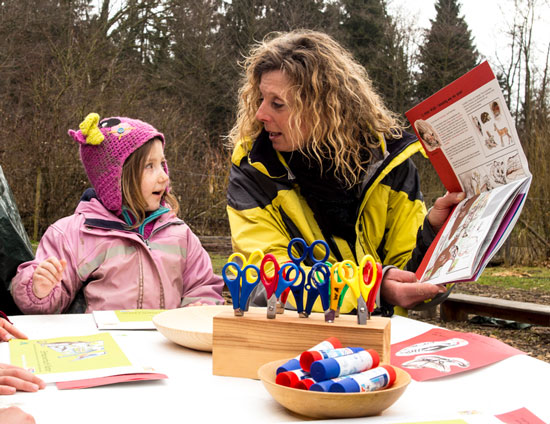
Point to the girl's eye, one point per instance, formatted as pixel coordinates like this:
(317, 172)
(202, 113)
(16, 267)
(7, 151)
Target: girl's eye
(148, 166)
(277, 105)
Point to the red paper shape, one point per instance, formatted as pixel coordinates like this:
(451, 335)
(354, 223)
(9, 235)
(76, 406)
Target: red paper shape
(103, 381)
(520, 416)
(439, 352)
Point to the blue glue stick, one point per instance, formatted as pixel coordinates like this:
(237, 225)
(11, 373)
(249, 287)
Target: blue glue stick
(367, 381)
(294, 364)
(289, 378)
(310, 356)
(325, 369)
(324, 386)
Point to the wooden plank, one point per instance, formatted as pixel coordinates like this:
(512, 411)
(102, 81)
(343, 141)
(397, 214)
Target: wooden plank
(242, 344)
(457, 307)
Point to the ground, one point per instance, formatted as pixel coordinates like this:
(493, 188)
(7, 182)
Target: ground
(533, 340)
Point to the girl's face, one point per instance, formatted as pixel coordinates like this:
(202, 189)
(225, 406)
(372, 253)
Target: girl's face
(274, 112)
(154, 180)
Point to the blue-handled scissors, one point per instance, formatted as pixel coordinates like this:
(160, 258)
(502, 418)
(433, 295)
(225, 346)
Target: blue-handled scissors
(318, 284)
(276, 280)
(361, 280)
(244, 281)
(307, 255)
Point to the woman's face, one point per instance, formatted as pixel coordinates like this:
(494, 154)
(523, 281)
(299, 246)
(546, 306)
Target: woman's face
(274, 112)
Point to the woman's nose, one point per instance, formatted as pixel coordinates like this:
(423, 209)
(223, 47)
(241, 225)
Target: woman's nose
(261, 114)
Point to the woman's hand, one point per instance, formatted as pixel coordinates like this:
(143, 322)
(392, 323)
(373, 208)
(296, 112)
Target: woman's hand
(13, 378)
(47, 275)
(442, 208)
(401, 288)
(8, 331)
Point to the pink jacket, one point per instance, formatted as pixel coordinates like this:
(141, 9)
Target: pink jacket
(117, 268)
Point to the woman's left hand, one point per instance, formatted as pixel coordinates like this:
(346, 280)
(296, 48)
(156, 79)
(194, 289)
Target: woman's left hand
(401, 288)
(442, 208)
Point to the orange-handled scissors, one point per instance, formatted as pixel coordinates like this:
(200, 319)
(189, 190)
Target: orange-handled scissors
(361, 280)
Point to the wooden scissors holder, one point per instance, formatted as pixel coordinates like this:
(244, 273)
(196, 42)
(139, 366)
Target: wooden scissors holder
(240, 345)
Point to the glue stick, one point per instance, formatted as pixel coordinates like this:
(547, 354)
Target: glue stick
(289, 378)
(310, 356)
(294, 364)
(324, 386)
(304, 384)
(325, 369)
(367, 381)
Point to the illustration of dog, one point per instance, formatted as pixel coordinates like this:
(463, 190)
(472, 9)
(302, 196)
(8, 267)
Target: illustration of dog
(485, 117)
(503, 132)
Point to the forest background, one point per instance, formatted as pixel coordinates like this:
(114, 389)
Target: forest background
(176, 64)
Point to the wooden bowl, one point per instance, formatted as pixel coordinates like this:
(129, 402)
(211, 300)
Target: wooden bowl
(191, 327)
(332, 405)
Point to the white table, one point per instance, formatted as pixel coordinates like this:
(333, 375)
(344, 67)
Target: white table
(192, 393)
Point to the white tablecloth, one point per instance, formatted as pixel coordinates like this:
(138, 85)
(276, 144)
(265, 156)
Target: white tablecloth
(191, 392)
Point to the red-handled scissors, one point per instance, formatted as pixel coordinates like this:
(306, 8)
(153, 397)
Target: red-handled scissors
(276, 280)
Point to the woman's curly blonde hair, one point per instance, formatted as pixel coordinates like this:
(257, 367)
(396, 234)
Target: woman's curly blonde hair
(329, 92)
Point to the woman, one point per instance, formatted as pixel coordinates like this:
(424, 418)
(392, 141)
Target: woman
(317, 155)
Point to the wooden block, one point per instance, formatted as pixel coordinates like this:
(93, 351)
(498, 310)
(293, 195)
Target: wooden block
(240, 345)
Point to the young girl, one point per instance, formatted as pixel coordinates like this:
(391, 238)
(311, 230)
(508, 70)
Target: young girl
(124, 247)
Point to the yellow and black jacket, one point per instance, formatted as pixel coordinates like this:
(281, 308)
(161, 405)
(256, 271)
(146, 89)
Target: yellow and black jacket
(266, 209)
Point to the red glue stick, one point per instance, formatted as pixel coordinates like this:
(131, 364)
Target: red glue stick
(304, 384)
(288, 378)
(294, 364)
(310, 356)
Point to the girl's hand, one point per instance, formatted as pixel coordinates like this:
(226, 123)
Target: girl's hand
(8, 331)
(13, 378)
(47, 275)
(197, 303)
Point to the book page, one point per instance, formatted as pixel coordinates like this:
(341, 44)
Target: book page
(468, 234)
(469, 135)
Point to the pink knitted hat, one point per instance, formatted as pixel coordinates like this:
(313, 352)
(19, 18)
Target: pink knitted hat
(104, 146)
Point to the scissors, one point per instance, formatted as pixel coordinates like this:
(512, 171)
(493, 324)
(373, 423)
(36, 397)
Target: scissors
(244, 281)
(318, 284)
(307, 254)
(277, 282)
(238, 257)
(361, 280)
(337, 286)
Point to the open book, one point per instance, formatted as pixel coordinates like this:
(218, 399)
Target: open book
(79, 361)
(470, 138)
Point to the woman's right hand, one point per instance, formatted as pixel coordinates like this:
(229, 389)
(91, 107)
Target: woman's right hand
(47, 275)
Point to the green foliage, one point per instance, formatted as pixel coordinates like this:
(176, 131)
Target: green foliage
(175, 63)
(448, 50)
(525, 278)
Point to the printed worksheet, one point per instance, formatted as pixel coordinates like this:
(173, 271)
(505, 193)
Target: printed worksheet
(73, 358)
(129, 319)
